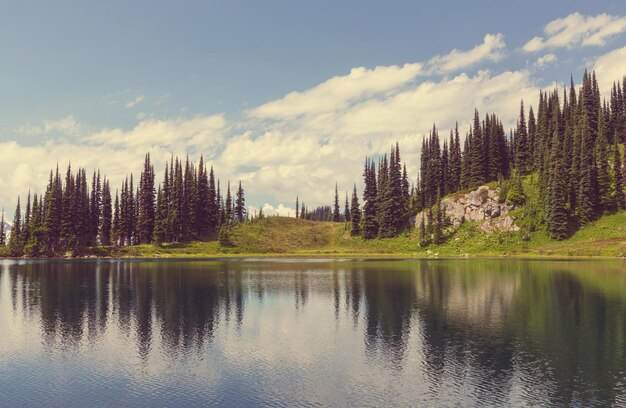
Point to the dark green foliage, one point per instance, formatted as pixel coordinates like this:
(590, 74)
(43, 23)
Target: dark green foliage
(3, 233)
(228, 209)
(35, 244)
(146, 210)
(557, 214)
(438, 222)
(106, 214)
(72, 216)
(586, 198)
(95, 202)
(515, 193)
(603, 178)
(240, 205)
(391, 199)
(16, 247)
(224, 233)
(297, 208)
(522, 151)
(370, 195)
(160, 222)
(568, 143)
(336, 213)
(355, 214)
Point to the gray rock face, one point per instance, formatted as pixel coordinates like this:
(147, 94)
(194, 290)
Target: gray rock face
(478, 205)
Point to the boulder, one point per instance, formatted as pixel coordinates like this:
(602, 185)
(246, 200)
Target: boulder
(478, 205)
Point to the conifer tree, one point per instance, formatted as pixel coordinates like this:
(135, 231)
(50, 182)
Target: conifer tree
(406, 194)
(3, 234)
(618, 194)
(146, 210)
(53, 212)
(438, 227)
(391, 199)
(297, 208)
(603, 185)
(15, 244)
(370, 219)
(240, 204)
(94, 208)
(346, 210)
(522, 154)
(516, 195)
(203, 205)
(213, 204)
(228, 210)
(336, 213)
(586, 199)
(355, 214)
(116, 228)
(557, 214)
(35, 245)
(26, 224)
(67, 236)
(106, 215)
(160, 221)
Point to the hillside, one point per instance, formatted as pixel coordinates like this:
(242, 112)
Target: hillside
(283, 236)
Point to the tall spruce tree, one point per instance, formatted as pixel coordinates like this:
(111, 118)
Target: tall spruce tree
(370, 193)
(603, 184)
(336, 213)
(16, 246)
(106, 215)
(240, 205)
(3, 233)
(355, 214)
(557, 214)
(203, 204)
(346, 210)
(618, 194)
(297, 208)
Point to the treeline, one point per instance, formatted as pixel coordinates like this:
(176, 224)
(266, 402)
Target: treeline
(72, 215)
(325, 212)
(573, 144)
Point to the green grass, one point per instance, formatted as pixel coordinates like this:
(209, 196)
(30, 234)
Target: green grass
(280, 236)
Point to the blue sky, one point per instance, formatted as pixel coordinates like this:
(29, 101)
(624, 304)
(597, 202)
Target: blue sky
(205, 74)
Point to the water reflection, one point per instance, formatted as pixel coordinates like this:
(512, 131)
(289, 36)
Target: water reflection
(461, 332)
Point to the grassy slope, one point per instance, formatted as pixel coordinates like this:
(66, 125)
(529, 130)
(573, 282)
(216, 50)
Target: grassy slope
(287, 236)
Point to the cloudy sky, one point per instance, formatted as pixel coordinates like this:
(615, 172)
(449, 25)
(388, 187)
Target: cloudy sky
(285, 96)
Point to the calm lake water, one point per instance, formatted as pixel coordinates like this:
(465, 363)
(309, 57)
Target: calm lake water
(312, 332)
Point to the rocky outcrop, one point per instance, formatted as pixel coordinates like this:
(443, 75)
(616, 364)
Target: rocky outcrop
(478, 205)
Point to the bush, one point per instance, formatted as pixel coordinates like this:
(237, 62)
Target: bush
(515, 194)
(223, 236)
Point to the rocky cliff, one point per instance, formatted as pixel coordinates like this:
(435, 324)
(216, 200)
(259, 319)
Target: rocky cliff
(479, 205)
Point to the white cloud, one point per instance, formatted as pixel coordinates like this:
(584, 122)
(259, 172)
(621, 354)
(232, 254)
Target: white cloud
(270, 210)
(338, 92)
(177, 134)
(545, 60)
(610, 67)
(490, 50)
(116, 152)
(66, 126)
(300, 144)
(577, 30)
(134, 102)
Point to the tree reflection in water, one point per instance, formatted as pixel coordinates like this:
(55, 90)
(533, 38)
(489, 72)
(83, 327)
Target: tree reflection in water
(542, 332)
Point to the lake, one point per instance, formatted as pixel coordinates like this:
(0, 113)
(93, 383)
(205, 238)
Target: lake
(297, 332)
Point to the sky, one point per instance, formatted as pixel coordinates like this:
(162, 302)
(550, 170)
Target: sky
(288, 97)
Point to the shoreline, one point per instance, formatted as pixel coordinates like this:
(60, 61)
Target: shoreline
(329, 256)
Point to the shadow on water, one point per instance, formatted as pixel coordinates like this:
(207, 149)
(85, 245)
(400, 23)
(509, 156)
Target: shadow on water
(500, 332)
